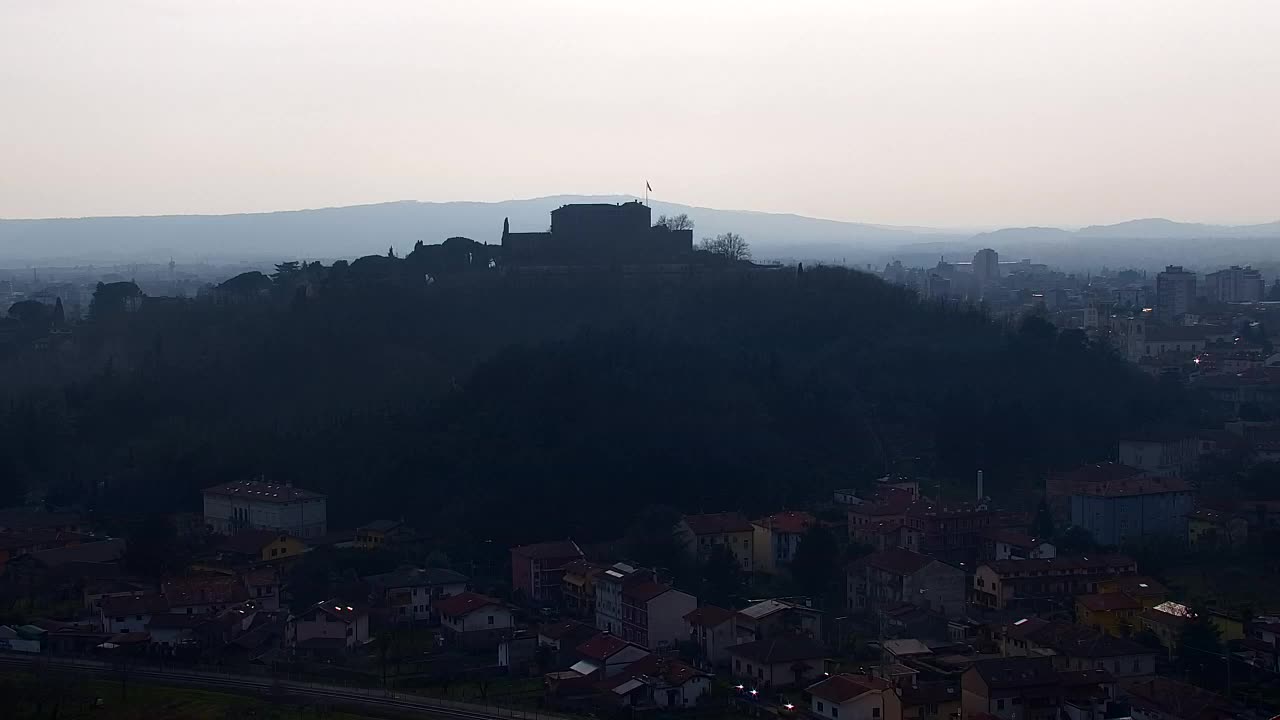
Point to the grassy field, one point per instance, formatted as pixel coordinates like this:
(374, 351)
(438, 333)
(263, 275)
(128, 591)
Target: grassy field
(67, 698)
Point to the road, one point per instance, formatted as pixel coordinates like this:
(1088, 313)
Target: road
(356, 698)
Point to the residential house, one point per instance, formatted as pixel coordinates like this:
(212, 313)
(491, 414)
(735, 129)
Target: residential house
(1162, 698)
(1074, 647)
(563, 639)
(606, 655)
(261, 546)
(899, 575)
(653, 614)
(538, 570)
(262, 587)
(1113, 613)
(170, 629)
(129, 614)
(703, 533)
(779, 661)
(776, 537)
(1209, 529)
(887, 535)
(96, 590)
(383, 534)
(609, 586)
(712, 629)
(930, 701)
(1115, 512)
(409, 593)
(472, 620)
(951, 532)
(1021, 688)
(1005, 544)
(204, 594)
(659, 682)
(887, 508)
(1144, 589)
(1166, 622)
(578, 591)
(255, 505)
(1013, 583)
(846, 696)
(770, 618)
(328, 628)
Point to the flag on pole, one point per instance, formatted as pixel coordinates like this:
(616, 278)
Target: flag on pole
(647, 186)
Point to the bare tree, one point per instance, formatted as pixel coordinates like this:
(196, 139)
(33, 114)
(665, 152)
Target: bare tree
(730, 246)
(675, 222)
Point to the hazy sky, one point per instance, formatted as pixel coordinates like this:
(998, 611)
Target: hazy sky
(941, 112)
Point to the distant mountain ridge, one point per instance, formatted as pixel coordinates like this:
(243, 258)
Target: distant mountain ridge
(357, 230)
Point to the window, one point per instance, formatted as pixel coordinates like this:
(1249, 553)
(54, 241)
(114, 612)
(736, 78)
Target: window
(274, 551)
(750, 670)
(875, 712)
(350, 631)
(120, 619)
(490, 619)
(1137, 665)
(760, 673)
(1000, 704)
(835, 711)
(821, 707)
(737, 663)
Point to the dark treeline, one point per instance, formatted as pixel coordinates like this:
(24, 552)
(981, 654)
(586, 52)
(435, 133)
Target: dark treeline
(496, 411)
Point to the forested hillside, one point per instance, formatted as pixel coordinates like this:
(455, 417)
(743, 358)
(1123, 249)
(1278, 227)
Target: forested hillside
(502, 411)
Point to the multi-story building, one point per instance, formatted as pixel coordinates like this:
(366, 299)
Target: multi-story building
(712, 628)
(1235, 284)
(653, 614)
(776, 538)
(578, 588)
(608, 591)
(538, 570)
(256, 505)
(704, 533)
(1117, 511)
(986, 267)
(1175, 293)
(1013, 583)
(1160, 454)
(1060, 486)
(898, 575)
(1073, 647)
(410, 593)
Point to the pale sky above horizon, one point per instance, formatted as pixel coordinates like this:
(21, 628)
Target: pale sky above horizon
(951, 113)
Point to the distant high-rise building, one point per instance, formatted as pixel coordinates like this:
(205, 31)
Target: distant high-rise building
(986, 266)
(1235, 284)
(1175, 291)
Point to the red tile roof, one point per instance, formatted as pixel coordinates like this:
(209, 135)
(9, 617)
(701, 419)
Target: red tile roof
(1092, 563)
(262, 492)
(670, 670)
(553, 550)
(338, 609)
(709, 616)
(207, 590)
(788, 521)
(718, 523)
(844, 687)
(645, 591)
(1109, 602)
(464, 604)
(602, 647)
(133, 605)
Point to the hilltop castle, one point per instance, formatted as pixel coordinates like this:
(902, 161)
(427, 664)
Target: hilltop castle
(597, 234)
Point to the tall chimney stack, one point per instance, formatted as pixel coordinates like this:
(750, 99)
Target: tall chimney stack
(980, 493)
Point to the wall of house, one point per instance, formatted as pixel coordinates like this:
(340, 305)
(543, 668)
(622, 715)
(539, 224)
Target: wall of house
(684, 696)
(1113, 520)
(317, 624)
(490, 618)
(937, 587)
(125, 623)
(871, 706)
(666, 618)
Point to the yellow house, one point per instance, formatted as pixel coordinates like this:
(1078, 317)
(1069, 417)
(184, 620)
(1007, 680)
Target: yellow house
(1111, 613)
(1230, 625)
(1211, 528)
(262, 546)
(1166, 621)
(703, 533)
